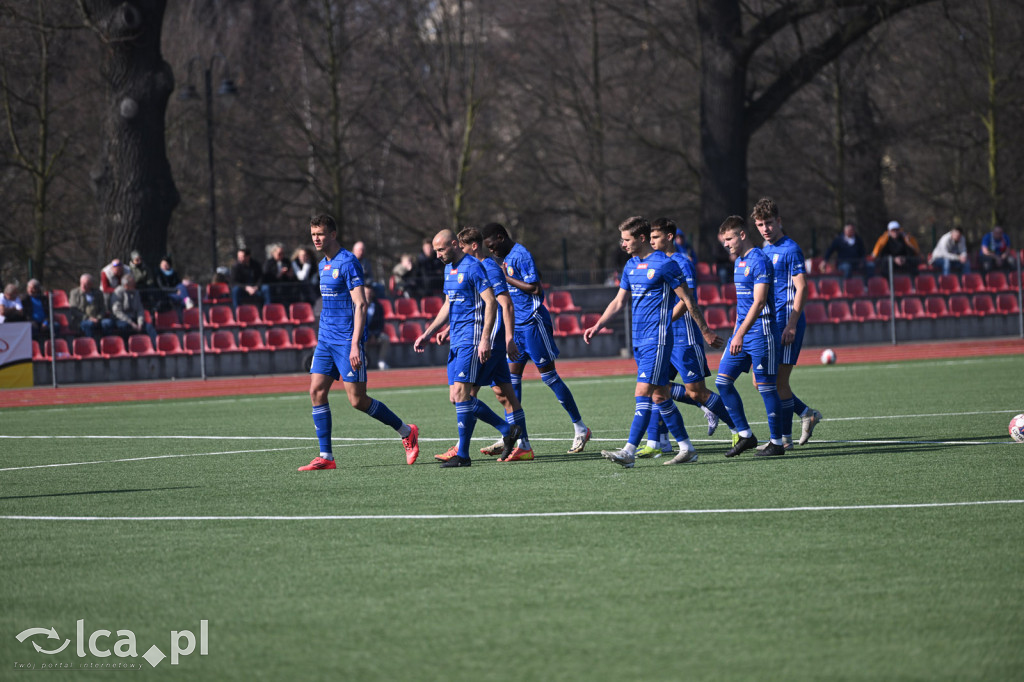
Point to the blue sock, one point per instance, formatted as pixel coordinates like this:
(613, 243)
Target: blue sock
(799, 407)
(733, 403)
(786, 417)
(322, 424)
(381, 413)
(678, 393)
(563, 393)
(773, 406)
(517, 386)
(655, 427)
(674, 420)
(519, 418)
(715, 404)
(641, 416)
(466, 418)
(489, 416)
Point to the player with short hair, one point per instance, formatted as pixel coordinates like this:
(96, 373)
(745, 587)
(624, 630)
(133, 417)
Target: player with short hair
(472, 309)
(687, 357)
(534, 335)
(513, 426)
(755, 340)
(790, 291)
(339, 351)
(649, 278)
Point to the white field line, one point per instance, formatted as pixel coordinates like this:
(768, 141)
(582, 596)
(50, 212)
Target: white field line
(524, 515)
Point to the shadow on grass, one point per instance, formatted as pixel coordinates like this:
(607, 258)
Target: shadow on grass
(99, 492)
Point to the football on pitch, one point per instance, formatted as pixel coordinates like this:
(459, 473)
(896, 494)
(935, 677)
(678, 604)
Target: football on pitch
(828, 357)
(1017, 428)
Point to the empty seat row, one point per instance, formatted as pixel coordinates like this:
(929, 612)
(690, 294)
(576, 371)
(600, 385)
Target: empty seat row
(911, 308)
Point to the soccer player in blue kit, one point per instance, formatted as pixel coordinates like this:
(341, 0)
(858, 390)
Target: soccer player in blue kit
(339, 351)
(790, 296)
(472, 310)
(755, 340)
(495, 372)
(650, 277)
(687, 353)
(533, 333)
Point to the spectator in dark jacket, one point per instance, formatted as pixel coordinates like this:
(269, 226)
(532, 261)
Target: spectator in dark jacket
(247, 280)
(849, 249)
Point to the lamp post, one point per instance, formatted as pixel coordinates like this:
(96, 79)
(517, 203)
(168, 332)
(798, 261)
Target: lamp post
(227, 87)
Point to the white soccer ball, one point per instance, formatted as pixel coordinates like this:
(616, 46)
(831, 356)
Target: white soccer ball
(1017, 428)
(828, 357)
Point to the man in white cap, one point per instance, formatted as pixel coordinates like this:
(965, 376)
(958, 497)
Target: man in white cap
(900, 246)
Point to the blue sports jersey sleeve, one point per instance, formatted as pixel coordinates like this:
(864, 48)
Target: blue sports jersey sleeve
(650, 282)
(752, 269)
(787, 261)
(338, 277)
(529, 308)
(463, 284)
(685, 329)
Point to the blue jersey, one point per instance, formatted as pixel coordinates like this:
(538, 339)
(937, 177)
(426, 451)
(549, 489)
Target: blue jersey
(754, 268)
(496, 277)
(787, 261)
(463, 282)
(338, 277)
(650, 281)
(685, 329)
(529, 308)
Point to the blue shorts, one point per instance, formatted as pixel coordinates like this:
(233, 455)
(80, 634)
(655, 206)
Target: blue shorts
(690, 362)
(791, 352)
(536, 342)
(653, 364)
(494, 371)
(332, 360)
(759, 352)
(463, 365)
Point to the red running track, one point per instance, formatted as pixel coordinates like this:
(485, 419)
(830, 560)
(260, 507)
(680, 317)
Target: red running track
(435, 376)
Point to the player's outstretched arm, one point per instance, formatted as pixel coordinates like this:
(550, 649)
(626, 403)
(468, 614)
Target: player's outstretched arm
(419, 345)
(490, 315)
(359, 308)
(508, 318)
(686, 300)
(614, 307)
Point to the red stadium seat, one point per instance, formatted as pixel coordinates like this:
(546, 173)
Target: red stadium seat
(561, 302)
(217, 293)
(884, 309)
(431, 305)
(409, 331)
(275, 313)
(902, 285)
(878, 287)
(251, 340)
(729, 293)
(304, 337)
(717, 317)
(864, 310)
(960, 306)
(567, 325)
(1011, 281)
(248, 315)
(707, 294)
(167, 320)
(113, 347)
(61, 320)
(816, 313)
(911, 308)
(974, 283)
(63, 352)
(277, 339)
(392, 332)
(301, 313)
(855, 288)
(983, 304)
(408, 309)
(389, 310)
(222, 341)
(140, 345)
(949, 284)
(839, 311)
(190, 319)
(925, 284)
(60, 300)
(935, 307)
(996, 281)
(220, 317)
(37, 352)
(588, 320)
(1006, 303)
(169, 344)
(704, 272)
(85, 347)
(193, 342)
(829, 289)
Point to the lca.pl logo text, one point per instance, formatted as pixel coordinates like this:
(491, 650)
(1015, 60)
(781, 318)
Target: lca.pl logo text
(183, 643)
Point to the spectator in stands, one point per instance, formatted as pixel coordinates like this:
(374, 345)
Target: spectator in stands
(995, 251)
(429, 272)
(402, 276)
(849, 249)
(11, 307)
(140, 272)
(278, 275)
(36, 306)
(359, 251)
(110, 277)
(174, 288)
(90, 307)
(126, 307)
(684, 247)
(950, 253)
(306, 276)
(902, 247)
(247, 280)
(376, 337)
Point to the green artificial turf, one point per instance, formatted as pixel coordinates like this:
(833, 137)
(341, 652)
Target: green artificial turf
(736, 571)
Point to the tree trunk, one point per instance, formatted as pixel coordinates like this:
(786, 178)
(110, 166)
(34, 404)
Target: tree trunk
(132, 178)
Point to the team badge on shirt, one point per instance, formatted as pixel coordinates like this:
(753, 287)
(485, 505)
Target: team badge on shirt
(508, 270)
(335, 272)
(746, 271)
(460, 277)
(650, 274)
(775, 259)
